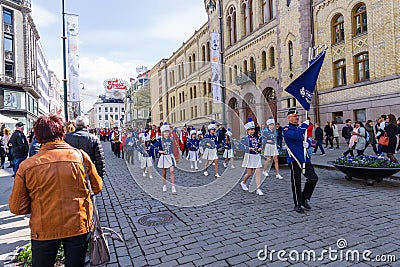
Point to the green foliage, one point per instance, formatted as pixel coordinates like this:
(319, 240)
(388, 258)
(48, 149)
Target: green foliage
(366, 161)
(24, 255)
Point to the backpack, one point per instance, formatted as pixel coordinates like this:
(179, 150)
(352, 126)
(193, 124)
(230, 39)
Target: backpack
(367, 136)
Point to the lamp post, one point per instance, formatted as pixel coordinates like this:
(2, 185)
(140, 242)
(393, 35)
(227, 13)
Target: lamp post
(211, 7)
(64, 38)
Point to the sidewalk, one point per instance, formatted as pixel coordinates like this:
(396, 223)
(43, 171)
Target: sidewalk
(331, 155)
(14, 230)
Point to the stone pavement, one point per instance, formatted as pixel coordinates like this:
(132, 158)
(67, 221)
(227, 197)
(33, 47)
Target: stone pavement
(232, 230)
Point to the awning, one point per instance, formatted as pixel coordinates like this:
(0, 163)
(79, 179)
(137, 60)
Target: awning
(5, 119)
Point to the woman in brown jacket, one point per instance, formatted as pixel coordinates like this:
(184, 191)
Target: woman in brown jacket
(52, 187)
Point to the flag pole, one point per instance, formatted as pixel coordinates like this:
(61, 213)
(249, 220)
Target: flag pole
(303, 167)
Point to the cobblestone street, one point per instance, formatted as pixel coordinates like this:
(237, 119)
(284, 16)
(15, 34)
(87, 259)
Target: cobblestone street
(233, 229)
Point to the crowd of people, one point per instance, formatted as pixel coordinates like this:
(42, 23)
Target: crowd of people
(56, 161)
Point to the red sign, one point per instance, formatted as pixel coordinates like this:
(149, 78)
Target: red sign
(115, 84)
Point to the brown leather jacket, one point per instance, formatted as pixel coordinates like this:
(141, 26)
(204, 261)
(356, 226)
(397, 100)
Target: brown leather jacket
(51, 186)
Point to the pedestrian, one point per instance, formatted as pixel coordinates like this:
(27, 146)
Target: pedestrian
(279, 137)
(357, 140)
(252, 146)
(123, 144)
(391, 133)
(2, 152)
(82, 139)
(71, 126)
(6, 140)
(146, 155)
(167, 159)
(34, 147)
(372, 137)
(177, 144)
(116, 141)
(130, 147)
(210, 146)
(221, 134)
(51, 186)
(328, 135)
(319, 137)
(346, 134)
(19, 144)
(380, 130)
(293, 135)
(183, 137)
(228, 149)
(199, 138)
(335, 131)
(270, 148)
(193, 147)
(398, 132)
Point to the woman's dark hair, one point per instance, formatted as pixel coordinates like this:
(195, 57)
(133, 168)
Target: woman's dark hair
(49, 128)
(359, 122)
(369, 121)
(392, 118)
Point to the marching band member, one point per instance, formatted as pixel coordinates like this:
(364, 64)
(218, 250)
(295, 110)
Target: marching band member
(193, 146)
(210, 145)
(228, 153)
(166, 161)
(252, 158)
(199, 137)
(270, 149)
(146, 160)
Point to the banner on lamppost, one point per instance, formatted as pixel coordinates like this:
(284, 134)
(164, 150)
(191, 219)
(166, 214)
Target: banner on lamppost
(215, 68)
(73, 57)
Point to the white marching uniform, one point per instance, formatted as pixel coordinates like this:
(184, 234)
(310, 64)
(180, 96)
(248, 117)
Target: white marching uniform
(146, 162)
(228, 153)
(270, 150)
(193, 156)
(251, 160)
(166, 161)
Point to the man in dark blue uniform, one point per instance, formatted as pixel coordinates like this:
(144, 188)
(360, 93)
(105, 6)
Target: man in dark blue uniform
(293, 135)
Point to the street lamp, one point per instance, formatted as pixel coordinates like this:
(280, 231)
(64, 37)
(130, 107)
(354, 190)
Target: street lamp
(64, 38)
(211, 7)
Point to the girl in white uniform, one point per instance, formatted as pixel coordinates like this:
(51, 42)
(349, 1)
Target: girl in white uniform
(210, 145)
(270, 149)
(201, 150)
(252, 158)
(145, 151)
(193, 147)
(166, 160)
(228, 152)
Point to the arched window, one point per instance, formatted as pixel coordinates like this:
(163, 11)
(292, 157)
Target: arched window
(247, 16)
(194, 62)
(290, 50)
(338, 29)
(267, 10)
(183, 70)
(194, 92)
(252, 64)
(204, 88)
(179, 72)
(235, 74)
(272, 57)
(264, 60)
(245, 67)
(230, 75)
(203, 53)
(359, 19)
(190, 64)
(209, 87)
(339, 72)
(361, 64)
(208, 51)
(191, 92)
(231, 25)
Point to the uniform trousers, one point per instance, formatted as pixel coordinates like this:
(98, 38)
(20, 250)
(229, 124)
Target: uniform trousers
(311, 182)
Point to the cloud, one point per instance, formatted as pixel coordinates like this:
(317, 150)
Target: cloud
(42, 17)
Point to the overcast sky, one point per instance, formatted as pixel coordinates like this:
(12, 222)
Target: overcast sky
(117, 36)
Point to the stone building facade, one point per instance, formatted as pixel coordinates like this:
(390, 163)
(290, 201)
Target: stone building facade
(137, 104)
(266, 46)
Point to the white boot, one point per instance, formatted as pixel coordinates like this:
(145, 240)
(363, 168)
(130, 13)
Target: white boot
(195, 165)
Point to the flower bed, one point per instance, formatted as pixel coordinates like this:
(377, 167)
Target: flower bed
(366, 161)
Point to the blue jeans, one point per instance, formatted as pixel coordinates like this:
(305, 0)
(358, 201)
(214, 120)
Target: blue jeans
(17, 161)
(320, 146)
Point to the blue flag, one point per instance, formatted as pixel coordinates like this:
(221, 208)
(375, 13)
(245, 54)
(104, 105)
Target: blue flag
(303, 87)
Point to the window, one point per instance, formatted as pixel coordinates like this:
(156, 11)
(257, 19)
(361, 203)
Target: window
(203, 54)
(290, 50)
(231, 26)
(360, 19)
(230, 75)
(106, 117)
(340, 72)
(204, 88)
(362, 67)
(245, 67)
(99, 109)
(210, 107)
(16, 100)
(337, 117)
(359, 115)
(106, 109)
(122, 109)
(116, 117)
(194, 92)
(288, 2)
(194, 62)
(247, 16)
(268, 10)
(272, 57)
(7, 17)
(190, 64)
(191, 92)
(99, 117)
(195, 111)
(191, 112)
(8, 42)
(263, 60)
(111, 109)
(338, 29)
(116, 109)
(205, 108)
(9, 69)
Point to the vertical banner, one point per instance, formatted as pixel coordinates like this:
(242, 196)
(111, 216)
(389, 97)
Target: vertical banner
(73, 57)
(215, 68)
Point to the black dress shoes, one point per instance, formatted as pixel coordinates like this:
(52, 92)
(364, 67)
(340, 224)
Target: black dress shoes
(298, 209)
(306, 204)
(10, 166)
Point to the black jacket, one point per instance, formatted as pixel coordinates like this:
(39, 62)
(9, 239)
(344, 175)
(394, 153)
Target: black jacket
(19, 144)
(328, 130)
(89, 143)
(346, 131)
(319, 134)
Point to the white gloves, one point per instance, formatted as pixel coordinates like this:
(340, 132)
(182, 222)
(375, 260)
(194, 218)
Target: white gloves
(306, 144)
(307, 122)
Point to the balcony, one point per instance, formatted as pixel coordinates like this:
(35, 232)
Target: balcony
(246, 77)
(4, 78)
(8, 28)
(22, 2)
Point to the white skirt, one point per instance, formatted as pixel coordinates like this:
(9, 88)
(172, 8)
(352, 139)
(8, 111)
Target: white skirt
(166, 161)
(270, 150)
(201, 150)
(210, 154)
(251, 161)
(146, 162)
(228, 153)
(193, 156)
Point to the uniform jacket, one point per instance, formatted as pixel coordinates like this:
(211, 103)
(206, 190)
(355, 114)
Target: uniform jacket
(294, 137)
(89, 143)
(250, 141)
(226, 145)
(164, 144)
(193, 144)
(209, 141)
(51, 186)
(20, 145)
(268, 135)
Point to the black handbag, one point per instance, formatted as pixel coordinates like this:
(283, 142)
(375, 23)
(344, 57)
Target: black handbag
(99, 250)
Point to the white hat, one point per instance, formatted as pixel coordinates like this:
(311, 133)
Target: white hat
(228, 133)
(199, 132)
(145, 137)
(270, 121)
(212, 126)
(165, 127)
(249, 124)
(193, 131)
